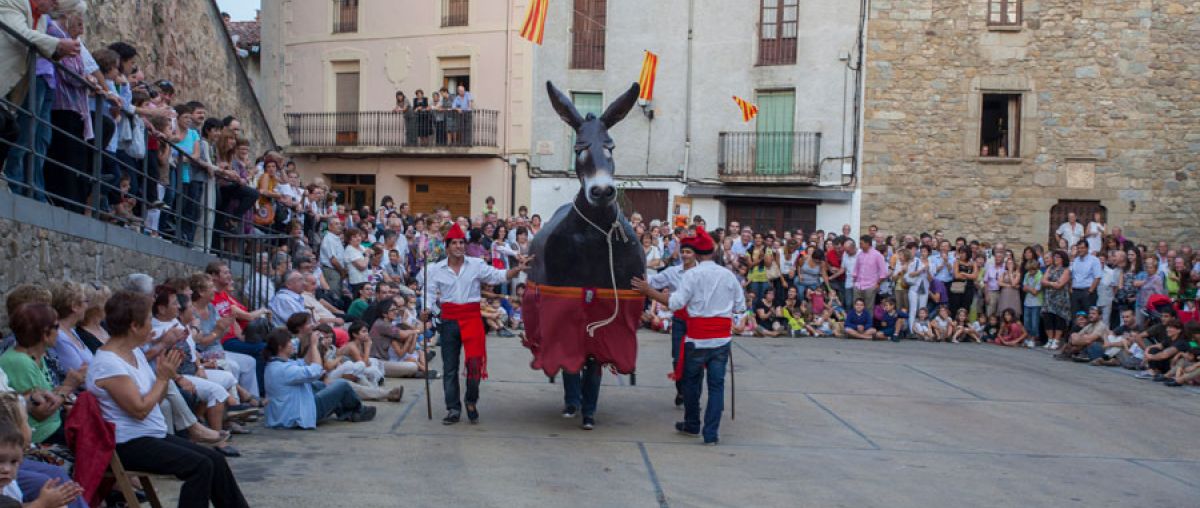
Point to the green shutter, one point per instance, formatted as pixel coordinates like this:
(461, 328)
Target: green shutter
(773, 150)
(585, 102)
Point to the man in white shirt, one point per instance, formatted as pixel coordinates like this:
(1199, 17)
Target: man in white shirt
(670, 279)
(712, 296)
(849, 260)
(332, 251)
(453, 287)
(1071, 231)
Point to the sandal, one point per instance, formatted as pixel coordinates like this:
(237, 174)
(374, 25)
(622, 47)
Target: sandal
(222, 436)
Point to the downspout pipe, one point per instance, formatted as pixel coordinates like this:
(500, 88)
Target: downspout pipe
(687, 137)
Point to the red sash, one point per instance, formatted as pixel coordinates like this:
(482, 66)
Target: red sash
(472, 335)
(701, 328)
(682, 314)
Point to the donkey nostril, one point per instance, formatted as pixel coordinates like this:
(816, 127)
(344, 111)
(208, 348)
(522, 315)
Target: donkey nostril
(603, 192)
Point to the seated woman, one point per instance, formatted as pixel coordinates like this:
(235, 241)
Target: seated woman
(129, 392)
(35, 483)
(70, 305)
(212, 326)
(297, 397)
(354, 364)
(394, 347)
(209, 387)
(35, 327)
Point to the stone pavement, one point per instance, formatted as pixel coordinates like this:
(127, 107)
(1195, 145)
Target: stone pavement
(821, 422)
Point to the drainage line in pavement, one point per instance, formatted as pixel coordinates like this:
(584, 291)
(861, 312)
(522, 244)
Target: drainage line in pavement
(1163, 473)
(947, 383)
(407, 409)
(844, 422)
(658, 491)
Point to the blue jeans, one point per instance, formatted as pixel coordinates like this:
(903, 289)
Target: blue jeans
(33, 475)
(336, 398)
(1032, 317)
(14, 168)
(695, 363)
(253, 350)
(582, 389)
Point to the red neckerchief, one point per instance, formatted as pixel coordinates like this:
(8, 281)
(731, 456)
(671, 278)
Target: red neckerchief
(36, 14)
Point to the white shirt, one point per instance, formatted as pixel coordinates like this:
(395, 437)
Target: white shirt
(1107, 286)
(654, 253)
(709, 290)
(331, 248)
(667, 279)
(1095, 237)
(14, 491)
(266, 288)
(848, 263)
(107, 364)
(350, 255)
(461, 287)
(1070, 234)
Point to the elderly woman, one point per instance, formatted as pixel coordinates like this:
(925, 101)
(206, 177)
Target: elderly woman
(129, 392)
(70, 304)
(298, 398)
(213, 326)
(35, 326)
(89, 328)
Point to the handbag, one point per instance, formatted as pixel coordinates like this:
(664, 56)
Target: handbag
(958, 287)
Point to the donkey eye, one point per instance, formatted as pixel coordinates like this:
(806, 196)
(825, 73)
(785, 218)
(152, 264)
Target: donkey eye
(582, 156)
(608, 152)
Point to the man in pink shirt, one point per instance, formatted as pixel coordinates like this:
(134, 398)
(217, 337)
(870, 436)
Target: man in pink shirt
(869, 272)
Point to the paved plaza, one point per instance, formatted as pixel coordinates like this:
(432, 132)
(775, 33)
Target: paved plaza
(820, 422)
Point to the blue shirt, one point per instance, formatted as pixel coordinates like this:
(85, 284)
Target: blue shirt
(289, 388)
(888, 322)
(463, 101)
(941, 267)
(285, 303)
(187, 146)
(1085, 270)
(855, 319)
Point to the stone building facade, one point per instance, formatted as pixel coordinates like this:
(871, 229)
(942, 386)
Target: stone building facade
(1095, 102)
(186, 42)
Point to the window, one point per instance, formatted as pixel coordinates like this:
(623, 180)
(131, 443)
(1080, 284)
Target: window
(354, 191)
(345, 16)
(587, 48)
(1004, 12)
(1000, 127)
(454, 12)
(777, 30)
(585, 102)
(346, 92)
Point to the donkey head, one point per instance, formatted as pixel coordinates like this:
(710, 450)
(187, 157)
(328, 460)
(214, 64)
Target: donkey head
(593, 145)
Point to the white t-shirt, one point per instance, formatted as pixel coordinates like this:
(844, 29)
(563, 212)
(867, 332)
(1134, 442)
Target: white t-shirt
(652, 254)
(107, 364)
(14, 491)
(355, 275)
(1095, 237)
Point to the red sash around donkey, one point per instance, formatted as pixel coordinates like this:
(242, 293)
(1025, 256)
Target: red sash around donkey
(579, 301)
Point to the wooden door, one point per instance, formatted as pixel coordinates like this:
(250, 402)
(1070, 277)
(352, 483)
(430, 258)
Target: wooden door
(773, 216)
(651, 203)
(1083, 215)
(427, 193)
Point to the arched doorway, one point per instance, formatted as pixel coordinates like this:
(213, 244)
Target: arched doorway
(1083, 214)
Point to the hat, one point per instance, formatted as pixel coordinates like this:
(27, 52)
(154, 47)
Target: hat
(701, 243)
(1081, 313)
(456, 233)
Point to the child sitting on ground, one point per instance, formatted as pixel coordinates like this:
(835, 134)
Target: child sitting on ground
(860, 322)
(495, 317)
(979, 327)
(993, 329)
(921, 327)
(943, 325)
(964, 330)
(892, 322)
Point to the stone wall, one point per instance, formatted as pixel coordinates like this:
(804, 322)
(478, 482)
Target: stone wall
(184, 41)
(1110, 112)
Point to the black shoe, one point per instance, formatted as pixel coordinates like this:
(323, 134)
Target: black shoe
(569, 412)
(473, 414)
(364, 414)
(429, 356)
(1159, 378)
(589, 423)
(1171, 382)
(678, 400)
(451, 418)
(712, 443)
(228, 451)
(433, 374)
(680, 428)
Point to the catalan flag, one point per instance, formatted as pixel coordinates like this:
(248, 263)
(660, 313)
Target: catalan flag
(535, 21)
(749, 110)
(646, 81)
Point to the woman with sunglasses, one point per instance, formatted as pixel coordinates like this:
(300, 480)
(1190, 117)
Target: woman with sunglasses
(35, 326)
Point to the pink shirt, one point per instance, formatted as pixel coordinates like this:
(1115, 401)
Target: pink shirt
(869, 270)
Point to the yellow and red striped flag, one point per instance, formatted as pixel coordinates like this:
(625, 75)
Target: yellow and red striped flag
(535, 21)
(749, 110)
(646, 81)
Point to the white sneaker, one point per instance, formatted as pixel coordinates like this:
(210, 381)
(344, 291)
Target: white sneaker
(1054, 344)
(1029, 343)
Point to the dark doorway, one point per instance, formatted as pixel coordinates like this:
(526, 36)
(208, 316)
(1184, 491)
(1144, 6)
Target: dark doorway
(779, 216)
(651, 203)
(1083, 214)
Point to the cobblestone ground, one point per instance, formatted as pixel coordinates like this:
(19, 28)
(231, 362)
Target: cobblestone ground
(820, 422)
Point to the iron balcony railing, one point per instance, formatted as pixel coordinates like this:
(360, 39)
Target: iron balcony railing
(414, 129)
(82, 177)
(765, 157)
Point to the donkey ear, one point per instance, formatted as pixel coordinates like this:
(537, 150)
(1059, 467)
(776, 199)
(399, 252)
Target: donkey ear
(563, 106)
(620, 107)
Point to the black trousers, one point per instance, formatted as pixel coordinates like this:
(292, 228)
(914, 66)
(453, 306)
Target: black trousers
(67, 162)
(451, 346)
(1081, 300)
(205, 474)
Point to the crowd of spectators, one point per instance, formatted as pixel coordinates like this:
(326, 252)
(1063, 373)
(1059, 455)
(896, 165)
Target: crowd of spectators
(440, 119)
